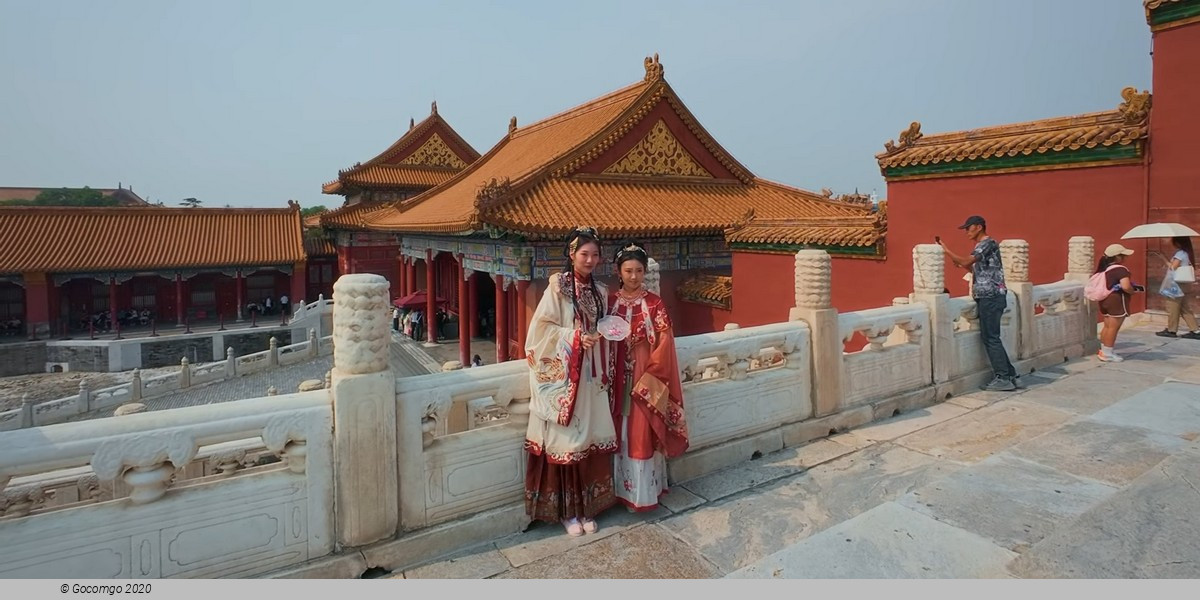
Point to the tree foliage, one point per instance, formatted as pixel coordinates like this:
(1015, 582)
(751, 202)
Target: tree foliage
(68, 197)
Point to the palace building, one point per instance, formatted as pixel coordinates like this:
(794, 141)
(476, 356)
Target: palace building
(59, 266)
(634, 163)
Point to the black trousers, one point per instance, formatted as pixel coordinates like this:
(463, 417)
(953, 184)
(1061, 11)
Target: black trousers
(990, 311)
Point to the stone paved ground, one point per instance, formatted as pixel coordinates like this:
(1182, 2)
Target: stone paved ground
(1093, 471)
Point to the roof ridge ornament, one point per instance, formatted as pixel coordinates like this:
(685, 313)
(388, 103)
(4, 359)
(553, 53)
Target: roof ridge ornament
(654, 69)
(411, 123)
(1136, 107)
(492, 192)
(512, 124)
(908, 137)
(433, 108)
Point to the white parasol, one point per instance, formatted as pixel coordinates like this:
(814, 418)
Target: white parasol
(1159, 230)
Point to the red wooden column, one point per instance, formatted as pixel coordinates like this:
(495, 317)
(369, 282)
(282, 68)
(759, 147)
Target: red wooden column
(501, 320)
(179, 310)
(430, 300)
(37, 302)
(412, 275)
(473, 306)
(299, 286)
(464, 308)
(240, 285)
(112, 301)
(522, 323)
(403, 280)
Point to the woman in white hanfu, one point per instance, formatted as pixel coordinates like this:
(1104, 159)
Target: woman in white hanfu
(570, 438)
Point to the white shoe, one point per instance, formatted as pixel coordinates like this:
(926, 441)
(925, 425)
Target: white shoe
(1109, 357)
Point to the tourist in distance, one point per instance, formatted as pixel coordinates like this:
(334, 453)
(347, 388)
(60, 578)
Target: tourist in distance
(568, 477)
(648, 396)
(1114, 307)
(991, 298)
(1174, 291)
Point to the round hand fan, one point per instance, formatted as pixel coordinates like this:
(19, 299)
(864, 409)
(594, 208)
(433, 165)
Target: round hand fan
(613, 328)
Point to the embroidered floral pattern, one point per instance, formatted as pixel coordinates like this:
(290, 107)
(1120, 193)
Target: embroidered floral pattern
(550, 370)
(566, 458)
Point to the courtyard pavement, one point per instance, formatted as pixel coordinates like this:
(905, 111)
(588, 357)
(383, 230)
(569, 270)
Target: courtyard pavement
(1092, 471)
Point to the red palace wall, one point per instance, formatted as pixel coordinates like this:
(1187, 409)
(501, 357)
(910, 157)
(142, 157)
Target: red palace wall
(1175, 141)
(1044, 208)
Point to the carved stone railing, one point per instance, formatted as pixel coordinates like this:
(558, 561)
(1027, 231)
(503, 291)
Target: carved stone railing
(447, 468)
(138, 389)
(896, 358)
(1060, 317)
(968, 354)
(161, 525)
(759, 379)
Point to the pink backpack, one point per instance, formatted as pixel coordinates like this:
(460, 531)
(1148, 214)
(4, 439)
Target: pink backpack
(1097, 286)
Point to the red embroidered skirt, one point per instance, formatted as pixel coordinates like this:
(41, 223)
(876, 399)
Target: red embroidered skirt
(557, 492)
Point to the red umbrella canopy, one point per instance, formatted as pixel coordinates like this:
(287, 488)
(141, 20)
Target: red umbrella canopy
(417, 299)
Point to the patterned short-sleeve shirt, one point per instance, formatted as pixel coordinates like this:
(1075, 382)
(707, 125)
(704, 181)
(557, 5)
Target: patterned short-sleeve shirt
(988, 280)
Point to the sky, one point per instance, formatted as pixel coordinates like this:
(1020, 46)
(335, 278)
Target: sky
(255, 103)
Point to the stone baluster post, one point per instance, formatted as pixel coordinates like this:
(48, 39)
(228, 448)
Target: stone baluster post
(929, 279)
(273, 355)
(1015, 256)
(313, 349)
(1081, 263)
(653, 280)
(185, 374)
(364, 409)
(26, 411)
(813, 306)
(135, 386)
(84, 403)
(230, 363)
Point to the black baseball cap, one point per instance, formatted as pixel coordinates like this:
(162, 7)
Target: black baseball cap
(974, 220)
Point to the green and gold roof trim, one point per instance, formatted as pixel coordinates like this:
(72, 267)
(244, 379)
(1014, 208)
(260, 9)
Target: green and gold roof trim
(1165, 14)
(1093, 139)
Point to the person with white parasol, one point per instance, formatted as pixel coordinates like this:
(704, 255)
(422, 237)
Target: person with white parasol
(1180, 269)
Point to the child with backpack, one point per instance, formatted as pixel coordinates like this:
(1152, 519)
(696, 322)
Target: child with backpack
(1111, 288)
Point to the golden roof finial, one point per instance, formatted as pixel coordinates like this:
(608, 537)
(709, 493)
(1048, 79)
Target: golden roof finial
(433, 108)
(512, 124)
(654, 69)
(909, 136)
(1136, 107)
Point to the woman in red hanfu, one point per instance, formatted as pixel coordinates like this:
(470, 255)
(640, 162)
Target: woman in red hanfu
(568, 476)
(648, 396)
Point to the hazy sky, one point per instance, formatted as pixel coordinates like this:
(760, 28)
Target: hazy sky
(253, 103)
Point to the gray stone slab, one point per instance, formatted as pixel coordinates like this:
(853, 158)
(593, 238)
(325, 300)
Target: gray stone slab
(1157, 362)
(1182, 347)
(678, 499)
(979, 434)
(550, 539)
(1102, 451)
(645, 552)
(1079, 365)
(1149, 529)
(1009, 500)
(889, 541)
(968, 401)
(775, 465)
(1134, 343)
(739, 530)
(477, 563)
(1172, 408)
(1088, 392)
(906, 423)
